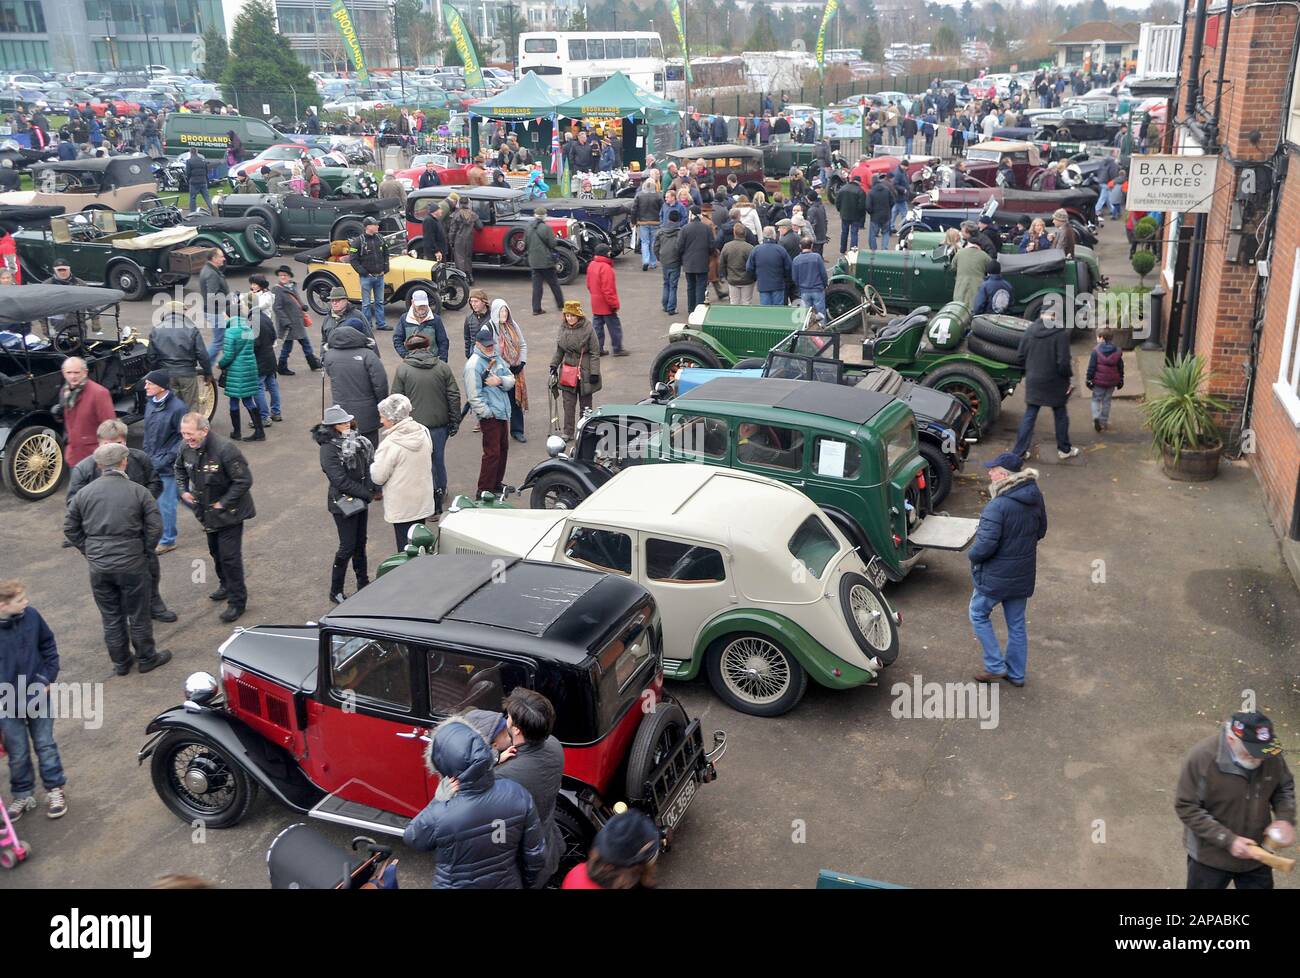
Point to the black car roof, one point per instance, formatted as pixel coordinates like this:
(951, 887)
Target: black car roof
(22, 305)
(714, 152)
(550, 609)
(474, 193)
(100, 164)
(829, 400)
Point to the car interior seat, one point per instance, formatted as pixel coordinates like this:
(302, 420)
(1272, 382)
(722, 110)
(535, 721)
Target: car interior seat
(900, 324)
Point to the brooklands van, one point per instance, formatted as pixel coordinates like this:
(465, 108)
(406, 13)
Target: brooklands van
(208, 132)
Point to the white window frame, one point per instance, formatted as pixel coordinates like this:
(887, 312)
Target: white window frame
(1287, 388)
(1293, 117)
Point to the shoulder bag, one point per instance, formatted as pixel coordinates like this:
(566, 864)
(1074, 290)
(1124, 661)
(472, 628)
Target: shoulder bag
(571, 373)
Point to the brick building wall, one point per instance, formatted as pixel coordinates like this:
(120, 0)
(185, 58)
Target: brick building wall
(1254, 97)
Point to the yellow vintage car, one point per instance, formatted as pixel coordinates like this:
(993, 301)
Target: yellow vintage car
(328, 268)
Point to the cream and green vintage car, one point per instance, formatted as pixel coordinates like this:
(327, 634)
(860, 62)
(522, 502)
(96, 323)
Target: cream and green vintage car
(754, 583)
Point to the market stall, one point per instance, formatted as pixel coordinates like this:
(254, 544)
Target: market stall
(646, 122)
(528, 108)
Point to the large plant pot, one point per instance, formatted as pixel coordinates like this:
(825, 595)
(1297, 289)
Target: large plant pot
(1192, 465)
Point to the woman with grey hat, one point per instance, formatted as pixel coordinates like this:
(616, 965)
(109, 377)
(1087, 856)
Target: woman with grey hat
(345, 458)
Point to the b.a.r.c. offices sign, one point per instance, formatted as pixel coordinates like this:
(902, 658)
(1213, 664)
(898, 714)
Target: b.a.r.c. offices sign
(1172, 183)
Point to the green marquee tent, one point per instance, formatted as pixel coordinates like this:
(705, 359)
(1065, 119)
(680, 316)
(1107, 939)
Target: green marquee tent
(619, 97)
(528, 98)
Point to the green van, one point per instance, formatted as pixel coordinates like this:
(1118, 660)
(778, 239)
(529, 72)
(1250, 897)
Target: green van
(185, 130)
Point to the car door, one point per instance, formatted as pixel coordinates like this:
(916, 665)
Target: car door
(606, 548)
(367, 731)
(691, 583)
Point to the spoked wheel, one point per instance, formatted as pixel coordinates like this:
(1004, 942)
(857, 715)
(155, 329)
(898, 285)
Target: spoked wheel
(679, 355)
(199, 782)
(556, 492)
(872, 624)
(33, 463)
(207, 405)
(657, 735)
(755, 675)
(973, 386)
(455, 292)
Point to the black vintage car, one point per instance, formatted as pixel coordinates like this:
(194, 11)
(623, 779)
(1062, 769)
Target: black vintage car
(331, 719)
(608, 222)
(300, 220)
(15, 216)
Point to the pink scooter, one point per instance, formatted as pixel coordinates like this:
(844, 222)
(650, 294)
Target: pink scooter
(12, 849)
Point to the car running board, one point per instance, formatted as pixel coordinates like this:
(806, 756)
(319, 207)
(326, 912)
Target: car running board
(332, 808)
(944, 533)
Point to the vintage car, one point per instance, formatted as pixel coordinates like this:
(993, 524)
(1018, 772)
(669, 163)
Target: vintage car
(15, 216)
(715, 547)
(297, 219)
(101, 253)
(450, 176)
(926, 219)
(244, 241)
(332, 719)
(276, 154)
(982, 161)
(115, 183)
(338, 182)
(926, 241)
(852, 451)
(1087, 120)
(943, 421)
(921, 170)
(608, 222)
(1079, 202)
(506, 214)
(40, 327)
(905, 280)
(711, 165)
(715, 336)
(445, 284)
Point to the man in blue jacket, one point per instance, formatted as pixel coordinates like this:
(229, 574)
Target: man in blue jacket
(487, 834)
(163, 411)
(809, 274)
(770, 266)
(995, 292)
(29, 662)
(1003, 564)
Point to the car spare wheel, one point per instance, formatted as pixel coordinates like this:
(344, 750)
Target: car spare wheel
(873, 627)
(675, 356)
(993, 351)
(938, 472)
(659, 732)
(268, 218)
(999, 333)
(576, 834)
(454, 292)
(753, 674)
(318, 293)
(33, 462)
(200, 782)
(260, 241)
(349, 228)
(841, 298)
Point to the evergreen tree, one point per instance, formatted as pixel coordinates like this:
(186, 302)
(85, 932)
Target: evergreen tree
(263, 68)
(216, 53)
(762, 37)
(1097, 10)
(873, 45)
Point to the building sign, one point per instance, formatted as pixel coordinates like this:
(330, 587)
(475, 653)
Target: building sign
(1172, 183)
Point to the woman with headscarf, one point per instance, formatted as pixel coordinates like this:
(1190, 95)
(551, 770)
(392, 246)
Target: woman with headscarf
(345, 458)
(575, 366)
(460, 236)
(403, 467)
(513, 349)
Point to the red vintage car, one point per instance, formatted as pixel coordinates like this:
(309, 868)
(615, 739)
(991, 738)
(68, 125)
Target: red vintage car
(448, 176)
(506, 214)
(332, 719)
(1079, 202)
(919, 169)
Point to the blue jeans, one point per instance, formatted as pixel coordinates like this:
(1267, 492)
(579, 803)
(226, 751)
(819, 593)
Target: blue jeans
(1011, 663)
(153, 146)
(647, 233)
(1026, 433)
(167, 506)
(672, 273)
(271, 387)
(907, 144)
(899, 211)
(372, 299)
(439, 437)
(196, 192)
(877, 234)
(815, 298)
(1101, 403)
(772, 298)
(615, 326)
(217, 323)
(286, 348)
(849, 230)
(16, 731)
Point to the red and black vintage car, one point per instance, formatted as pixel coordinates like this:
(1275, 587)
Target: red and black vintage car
(1080, 203)
(506, 214)
(332, 719)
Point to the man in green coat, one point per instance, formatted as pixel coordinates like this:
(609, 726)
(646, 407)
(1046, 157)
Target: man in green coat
(970, 263)
(540, 240)
(435, 402)
(239, 377)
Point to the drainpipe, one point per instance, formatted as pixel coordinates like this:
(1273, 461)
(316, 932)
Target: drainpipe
(1213, 126)
(1187, 339)
(1194, 73)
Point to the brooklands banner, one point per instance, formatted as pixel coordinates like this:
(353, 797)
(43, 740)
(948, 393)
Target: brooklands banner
(675, 8)
(827, 14)
(464, 45)
(343, 20)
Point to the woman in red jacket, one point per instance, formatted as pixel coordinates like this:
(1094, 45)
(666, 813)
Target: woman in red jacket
(603, 287)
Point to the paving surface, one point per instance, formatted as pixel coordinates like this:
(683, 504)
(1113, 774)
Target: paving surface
(1158, 604)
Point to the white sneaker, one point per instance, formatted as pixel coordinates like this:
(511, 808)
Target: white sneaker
(56, 804)
(20, 805)
(1070, 454)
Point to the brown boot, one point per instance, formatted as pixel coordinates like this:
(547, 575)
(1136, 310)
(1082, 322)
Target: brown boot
(989, 677)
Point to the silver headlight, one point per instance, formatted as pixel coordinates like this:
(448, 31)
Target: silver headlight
(554, 446)
(200, 689)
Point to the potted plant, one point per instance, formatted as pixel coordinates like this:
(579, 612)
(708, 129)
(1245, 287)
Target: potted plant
(1183, 433)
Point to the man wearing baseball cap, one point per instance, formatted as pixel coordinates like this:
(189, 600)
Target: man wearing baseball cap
(1235, 791)
(421, 318)
(1004, 564)
(62, 274)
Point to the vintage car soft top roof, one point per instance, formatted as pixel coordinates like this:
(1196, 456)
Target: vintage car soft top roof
(22, 305)
(716, 151)
(524, 597)
(300, 202)
(474, 193)
(98, 165)
(829, 400)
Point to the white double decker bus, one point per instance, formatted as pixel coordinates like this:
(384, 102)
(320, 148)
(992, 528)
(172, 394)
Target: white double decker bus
(575, 62)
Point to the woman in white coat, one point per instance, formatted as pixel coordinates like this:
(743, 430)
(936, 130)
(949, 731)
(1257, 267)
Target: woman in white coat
(403, 467)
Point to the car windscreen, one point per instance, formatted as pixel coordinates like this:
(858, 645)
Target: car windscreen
(506, 209)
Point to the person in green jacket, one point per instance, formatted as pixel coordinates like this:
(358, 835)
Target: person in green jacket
(435, 402)
(970, 263)
(239, 377)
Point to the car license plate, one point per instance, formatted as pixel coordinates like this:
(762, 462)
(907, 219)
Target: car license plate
(876, 573)
(677, 807)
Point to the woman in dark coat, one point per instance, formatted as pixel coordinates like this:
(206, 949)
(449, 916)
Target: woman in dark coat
(576, 346)
(345, 458)
(460, 237)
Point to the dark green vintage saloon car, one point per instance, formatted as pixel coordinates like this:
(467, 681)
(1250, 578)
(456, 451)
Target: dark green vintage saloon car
(245, 241)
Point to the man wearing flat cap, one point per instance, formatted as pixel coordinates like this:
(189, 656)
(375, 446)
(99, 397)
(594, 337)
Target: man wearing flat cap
(1004, 564)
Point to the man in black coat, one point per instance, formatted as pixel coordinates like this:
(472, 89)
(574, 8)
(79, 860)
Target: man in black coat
(429, 178)
(196, 178)
(433, 236)
(697, 245)
(115, 524)
(1045, 352)
(852, 205)
(140, 470)
(537, 764)
(213, 478)
(880, 207)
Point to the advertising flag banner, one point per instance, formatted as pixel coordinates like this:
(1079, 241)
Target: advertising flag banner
(827, 14)
(343, 21)
(675, 8)
(464, 45)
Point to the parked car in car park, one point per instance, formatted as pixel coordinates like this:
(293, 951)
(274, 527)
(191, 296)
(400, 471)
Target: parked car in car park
(406, 274)
(245, 241)
(331, 719)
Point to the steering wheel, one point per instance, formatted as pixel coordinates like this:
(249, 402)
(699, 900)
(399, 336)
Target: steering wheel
(69, 340)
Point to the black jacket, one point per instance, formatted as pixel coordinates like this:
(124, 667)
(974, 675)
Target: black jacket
(1045, 352)
(434, 235)
(668, 245)
(263, 326)
(540, 768)
(880, 202)
(646, 207)
(196, 172)
(348, 476)
(114, 523)
(176, 346)
(852, 203)
(357, 378)
(697, 243)
(790, 242)
(816, 215)
(139, 469)
(370, 254)
(287, 307)
(214, 290)
(216, 472)
(473, 322)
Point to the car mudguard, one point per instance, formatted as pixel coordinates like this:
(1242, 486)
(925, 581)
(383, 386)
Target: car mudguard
(270, 766)
(1000, 372)
(820, 662)
(589, 475)
(704, 339)
(9, 423)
